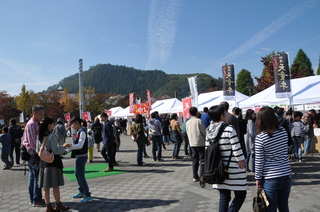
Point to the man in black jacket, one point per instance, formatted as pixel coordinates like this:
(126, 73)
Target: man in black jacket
(16, 134)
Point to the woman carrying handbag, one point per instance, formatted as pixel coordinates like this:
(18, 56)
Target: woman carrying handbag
(50, 175)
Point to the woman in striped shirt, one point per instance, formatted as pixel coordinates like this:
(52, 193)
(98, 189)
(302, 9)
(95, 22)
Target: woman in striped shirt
(273, 171)
(228, 142)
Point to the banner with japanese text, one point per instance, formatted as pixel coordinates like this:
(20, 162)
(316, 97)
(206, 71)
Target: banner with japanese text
(186, 105)
(149, 99)
(281, 75)
(228, 82)
(108, 112)
(67, 117)
(86, 116)
(131, 103)
(141, 108)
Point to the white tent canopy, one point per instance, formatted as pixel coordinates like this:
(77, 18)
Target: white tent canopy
(167, 106)
(115, 110)
(303, 91)
(123, 113)
(216, 97)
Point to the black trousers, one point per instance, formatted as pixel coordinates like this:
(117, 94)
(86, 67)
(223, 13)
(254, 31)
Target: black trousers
(16, 147)
(108, 153)
(197, 160)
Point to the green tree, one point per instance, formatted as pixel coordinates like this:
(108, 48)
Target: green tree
(318, 70)
(301, 66)
(26, 100)
(244, 82)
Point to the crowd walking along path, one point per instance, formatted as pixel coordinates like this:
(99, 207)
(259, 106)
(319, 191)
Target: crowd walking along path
(159, 186)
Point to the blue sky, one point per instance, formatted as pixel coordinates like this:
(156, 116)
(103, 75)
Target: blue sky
(42, 41)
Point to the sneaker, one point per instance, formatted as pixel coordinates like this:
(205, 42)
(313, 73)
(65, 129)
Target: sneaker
(78, 195)
(41, 203)
(300, 160)
(108, 169)
(160, 160)
(195, 179)
(146, 156)
(143, 164)
(86, 199)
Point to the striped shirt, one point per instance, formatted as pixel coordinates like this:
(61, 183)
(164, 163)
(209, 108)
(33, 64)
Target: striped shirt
(30, 136)
(229, 140)
(271, 159)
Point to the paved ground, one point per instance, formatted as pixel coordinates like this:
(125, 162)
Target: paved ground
(159, 186)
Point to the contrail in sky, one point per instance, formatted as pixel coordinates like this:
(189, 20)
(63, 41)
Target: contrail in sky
(264, 34)
(161, 30)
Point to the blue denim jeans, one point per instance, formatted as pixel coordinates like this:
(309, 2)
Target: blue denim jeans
(79, 171)
(277, 191)
(140, 144)
(176, 148)
(297, 141)
(252, 161)
(307, 143)
(166, 139)
(156, 146)
(34, 191)
(225, 197)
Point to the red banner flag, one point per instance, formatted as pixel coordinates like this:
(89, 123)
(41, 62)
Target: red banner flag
(149, 99)
(186, 105)
(67, 117)
(131, 103)
(108, 112)
(85, 116)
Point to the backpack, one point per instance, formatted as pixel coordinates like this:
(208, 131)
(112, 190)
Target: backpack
(215, 172)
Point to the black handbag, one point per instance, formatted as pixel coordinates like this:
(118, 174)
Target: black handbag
(258, 203)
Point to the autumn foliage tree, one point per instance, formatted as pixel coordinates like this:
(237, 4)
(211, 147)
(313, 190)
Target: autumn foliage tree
(267, 77)
(8, 107)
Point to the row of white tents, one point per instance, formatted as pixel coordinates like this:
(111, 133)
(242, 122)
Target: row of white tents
(303, 91)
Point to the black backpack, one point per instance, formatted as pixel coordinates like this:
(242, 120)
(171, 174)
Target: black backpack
(24, 154)
(215, 171)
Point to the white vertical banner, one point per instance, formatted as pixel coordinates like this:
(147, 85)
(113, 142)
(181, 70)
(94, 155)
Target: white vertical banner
(193, 90)
(21, 118)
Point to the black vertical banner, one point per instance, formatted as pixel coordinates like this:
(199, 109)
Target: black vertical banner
(281, 75)
(228, 82)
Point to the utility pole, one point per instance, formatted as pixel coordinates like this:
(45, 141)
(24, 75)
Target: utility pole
(80, 88)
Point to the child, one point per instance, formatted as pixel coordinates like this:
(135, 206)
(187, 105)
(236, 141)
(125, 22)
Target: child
(5, 139)
(90, 145)
(297, 129)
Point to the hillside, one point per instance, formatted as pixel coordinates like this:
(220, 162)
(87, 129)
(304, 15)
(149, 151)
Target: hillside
(107, 78)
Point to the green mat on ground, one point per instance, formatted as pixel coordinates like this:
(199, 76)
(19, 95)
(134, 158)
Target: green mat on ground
(92, 171)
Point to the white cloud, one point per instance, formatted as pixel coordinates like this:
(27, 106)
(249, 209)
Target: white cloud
(161, 30)
(264, 34)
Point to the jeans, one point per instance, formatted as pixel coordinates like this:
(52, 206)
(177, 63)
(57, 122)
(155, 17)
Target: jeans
(297, 141)
(108, 154)
(124, 130)
(252, 161)
(187, 149)
(166, 139)
(5, 159)
(140, 144)
(197, 157)
(307, 143)
(277, 191)
(225, 197)
(16, 147)
(176, 148)
(34, 191)
(145, 154)
(79, 170)
(156, 146)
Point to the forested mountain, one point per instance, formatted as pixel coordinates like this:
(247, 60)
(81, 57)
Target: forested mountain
(107, 78)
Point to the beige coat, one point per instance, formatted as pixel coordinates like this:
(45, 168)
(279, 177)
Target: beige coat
(196, 132)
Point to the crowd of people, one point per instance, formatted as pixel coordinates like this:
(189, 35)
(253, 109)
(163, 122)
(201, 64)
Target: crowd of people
(259, 143)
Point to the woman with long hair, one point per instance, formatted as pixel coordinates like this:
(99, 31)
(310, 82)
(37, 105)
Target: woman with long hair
(97, 132)
(176, 136)
(51, 175)
(250, 137)
(138, 134)
(273, 171)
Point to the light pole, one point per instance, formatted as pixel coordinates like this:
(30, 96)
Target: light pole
(80, 88)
